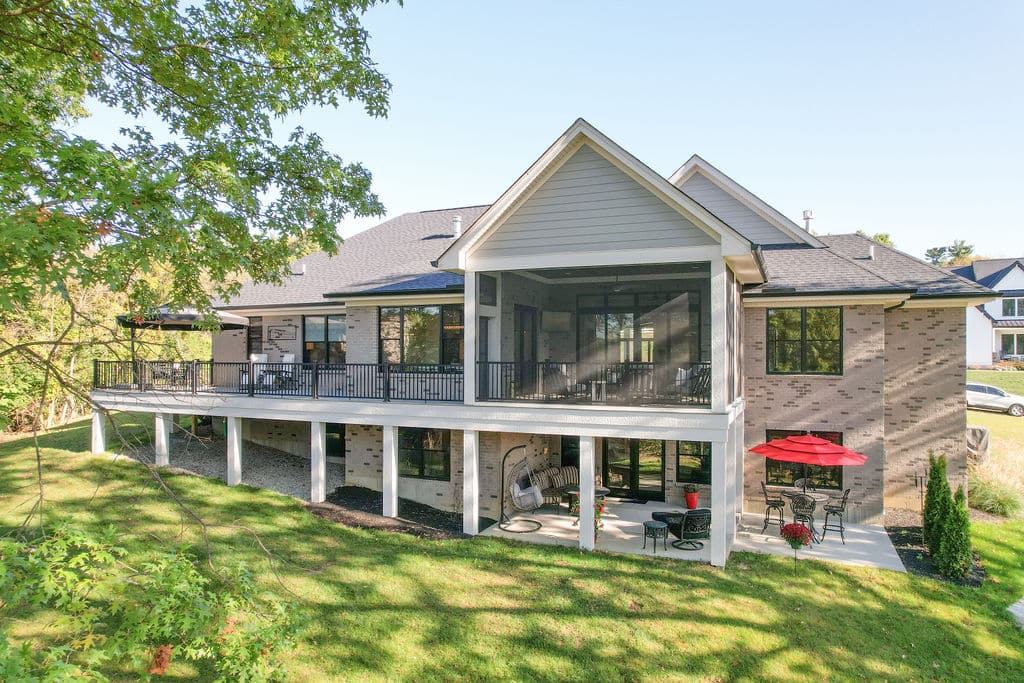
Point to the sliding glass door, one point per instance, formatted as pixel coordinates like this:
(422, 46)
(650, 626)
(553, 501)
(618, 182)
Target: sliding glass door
(635, 468)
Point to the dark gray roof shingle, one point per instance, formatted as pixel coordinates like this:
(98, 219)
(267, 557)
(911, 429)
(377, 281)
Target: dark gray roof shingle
(988, 272)
(394, 256)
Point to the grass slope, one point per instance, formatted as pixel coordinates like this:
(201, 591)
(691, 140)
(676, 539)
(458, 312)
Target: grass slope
(1012, 381)
(380, 605)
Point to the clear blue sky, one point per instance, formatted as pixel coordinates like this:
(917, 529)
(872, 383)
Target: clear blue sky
(905, 118)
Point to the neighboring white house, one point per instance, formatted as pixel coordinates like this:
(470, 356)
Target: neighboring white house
(995, 331)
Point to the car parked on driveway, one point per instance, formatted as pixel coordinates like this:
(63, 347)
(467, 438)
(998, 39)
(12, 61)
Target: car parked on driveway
(994, 398)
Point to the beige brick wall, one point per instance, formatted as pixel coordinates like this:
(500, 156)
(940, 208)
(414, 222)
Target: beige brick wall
(287, 436)
(851, 403)
(362, 334)
(229, 346)
(925, 403)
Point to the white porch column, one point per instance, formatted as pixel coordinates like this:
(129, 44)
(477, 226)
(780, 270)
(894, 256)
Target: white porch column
(587, 450)
(471, 482)
(719, 503)
(318, 461)
(740, 450)
(99, 432)
(161, 438)
(390, 471)
(470, 351)
(719, 360)
(234, 475)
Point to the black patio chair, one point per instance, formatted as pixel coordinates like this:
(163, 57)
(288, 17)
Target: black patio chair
(836, 510)
(773, 503)
(696, 525)
(803, 512)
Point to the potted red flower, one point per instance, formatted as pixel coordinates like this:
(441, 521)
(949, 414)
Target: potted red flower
(797, 535)
(692, 495)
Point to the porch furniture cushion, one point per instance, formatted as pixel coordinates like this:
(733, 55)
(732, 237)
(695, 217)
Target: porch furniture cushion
(553, 480)
(654, 529)
(696, 525)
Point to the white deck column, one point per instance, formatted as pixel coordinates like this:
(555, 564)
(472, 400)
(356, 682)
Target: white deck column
(471, 482)
(719, 503)
(390, 471)
(234, 476)
(587, 450)
(99, 432)
(318, 461)
(161, 438)
(719, 360)
(470, 351)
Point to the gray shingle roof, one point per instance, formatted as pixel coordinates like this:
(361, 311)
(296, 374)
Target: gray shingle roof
(843, 267)
(988, 272)
(393, 257)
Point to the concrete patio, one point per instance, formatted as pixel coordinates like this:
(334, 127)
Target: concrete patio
(866, 546)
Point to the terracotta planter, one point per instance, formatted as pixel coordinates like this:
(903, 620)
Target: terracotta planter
(692, 500)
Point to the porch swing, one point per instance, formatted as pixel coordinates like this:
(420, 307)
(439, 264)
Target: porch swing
(523, 492)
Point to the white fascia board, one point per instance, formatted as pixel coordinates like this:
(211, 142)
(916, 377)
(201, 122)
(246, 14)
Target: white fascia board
(287, 310)
(696, 164)
(746, 268)
(398, 300)
(825, 300)
(683, 424)
(584, 259)
(948, 302)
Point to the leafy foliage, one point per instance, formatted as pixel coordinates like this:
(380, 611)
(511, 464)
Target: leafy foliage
(957, 254)
(883, 238)
(165, 609)
(937, 501)
(955, 555)
(993, 496)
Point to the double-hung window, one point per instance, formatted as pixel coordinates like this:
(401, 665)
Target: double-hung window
(422, 335)
(779, 473)
(1013, 307)
(323, 339)
(424, 453)
(805, 341)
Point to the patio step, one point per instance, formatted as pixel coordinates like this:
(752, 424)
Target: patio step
(1017, 610)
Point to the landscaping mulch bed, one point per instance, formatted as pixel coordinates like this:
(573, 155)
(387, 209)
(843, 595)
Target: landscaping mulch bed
(357, 506)
(905, 532)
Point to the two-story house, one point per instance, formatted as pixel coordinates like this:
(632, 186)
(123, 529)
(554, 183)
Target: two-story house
(995, 330)
(648, 330)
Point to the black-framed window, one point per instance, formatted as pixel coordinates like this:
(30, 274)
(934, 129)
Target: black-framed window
(422, 335)
(254, 336)
(638, 327)
(488, 290)
(424, 453)
(778, 473)
(1013, 307)
(805, 341)
(693, 462)
(323, 338)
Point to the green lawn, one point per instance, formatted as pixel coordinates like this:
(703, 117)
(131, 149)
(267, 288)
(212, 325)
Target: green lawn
(1007, 380)
(381, 605)
(1006, 445)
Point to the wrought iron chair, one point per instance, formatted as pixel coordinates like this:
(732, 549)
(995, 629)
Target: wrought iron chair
(696, 525)
(838, 511)
(803, 512)
(773, 503)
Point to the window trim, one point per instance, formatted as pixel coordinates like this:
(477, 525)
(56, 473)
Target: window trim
(701, 455)
(452, 366)
(1018, 306)
(326, 317)
(803, 341)
(447, 441)
(796, 432)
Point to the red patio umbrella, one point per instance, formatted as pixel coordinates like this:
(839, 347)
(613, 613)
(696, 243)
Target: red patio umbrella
(809, 450)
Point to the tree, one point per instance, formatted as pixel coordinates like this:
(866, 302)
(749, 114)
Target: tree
(936, 255)
(960, 253)
(936, 502)
(955, 556)
(883, 238)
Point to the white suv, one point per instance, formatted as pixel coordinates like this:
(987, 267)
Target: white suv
(994, 398)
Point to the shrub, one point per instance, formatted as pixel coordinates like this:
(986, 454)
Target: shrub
(936, 502)
(994, 497)
(954, 558)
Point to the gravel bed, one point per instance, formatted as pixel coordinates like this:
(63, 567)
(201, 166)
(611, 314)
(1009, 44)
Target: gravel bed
(905, 532)
(362, 507)
(262, 467)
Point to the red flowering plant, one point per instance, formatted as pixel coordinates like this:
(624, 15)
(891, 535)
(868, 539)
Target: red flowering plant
(797, 535)
(598, 511)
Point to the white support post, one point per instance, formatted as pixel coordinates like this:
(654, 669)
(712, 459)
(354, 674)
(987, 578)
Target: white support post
(470, 351)
(234, 476)
(161, 438)
(719, 359)
(99, 432)
(471, 482)
(587, 450)
(318, 461)
(740, 450)
(390, 471)
(719, 503)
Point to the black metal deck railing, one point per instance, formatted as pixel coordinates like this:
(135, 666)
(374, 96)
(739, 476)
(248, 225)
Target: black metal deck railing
(633, 384)
(367, 381)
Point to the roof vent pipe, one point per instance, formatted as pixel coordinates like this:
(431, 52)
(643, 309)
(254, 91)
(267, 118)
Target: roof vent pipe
(871, 252)
(457, 226)
(808, 217)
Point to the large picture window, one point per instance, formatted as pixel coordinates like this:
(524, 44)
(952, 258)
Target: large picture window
(421, 335)
(424, 453)
(1012, 344)
(693, 462)
(780, 473)
(805, 341)
(323, 339)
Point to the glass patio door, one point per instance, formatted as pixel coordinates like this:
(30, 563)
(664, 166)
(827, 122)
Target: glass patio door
(635, 468)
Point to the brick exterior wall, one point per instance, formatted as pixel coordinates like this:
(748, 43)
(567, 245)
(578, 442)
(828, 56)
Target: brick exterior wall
(851, 403)
(362, 334)
(925, 401)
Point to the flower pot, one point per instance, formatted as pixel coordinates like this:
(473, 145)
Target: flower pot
(692, 500)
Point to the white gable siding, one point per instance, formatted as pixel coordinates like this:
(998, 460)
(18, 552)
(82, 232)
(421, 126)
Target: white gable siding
(979, 338)
(590, 205)
(1012, 281)
(733, 212)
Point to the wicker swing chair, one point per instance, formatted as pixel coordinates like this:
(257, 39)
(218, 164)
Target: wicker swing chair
(524, 495)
